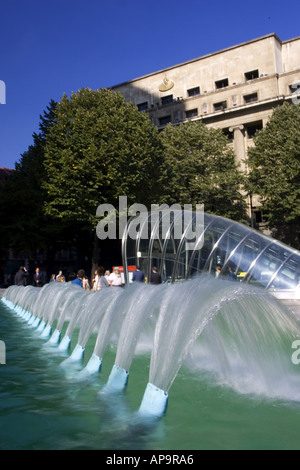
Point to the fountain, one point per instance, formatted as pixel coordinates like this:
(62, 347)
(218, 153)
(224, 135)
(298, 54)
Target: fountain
(239, 333)
(235, 336)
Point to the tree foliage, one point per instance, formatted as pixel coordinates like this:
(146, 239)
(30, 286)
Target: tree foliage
(202, 169)
(275, 166)
(99, 148)
(25, 226)
(93, 147)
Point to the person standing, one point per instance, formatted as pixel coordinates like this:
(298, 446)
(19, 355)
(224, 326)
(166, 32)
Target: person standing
(60, 277)
(115, 279)
(113, 276)
(100, 279)
(38, 280)
(231, 274)
(85, 283)
(138, 275)
(79, 280)
(155, 277)
(21, 277)
(218, 271)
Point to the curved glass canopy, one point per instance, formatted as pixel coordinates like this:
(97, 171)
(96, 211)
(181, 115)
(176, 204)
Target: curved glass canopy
(222, 245)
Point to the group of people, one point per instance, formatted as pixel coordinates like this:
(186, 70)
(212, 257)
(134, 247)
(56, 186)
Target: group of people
(139, 276)
(79, 279)
(100, 280)
(104, 278)
(22, 277)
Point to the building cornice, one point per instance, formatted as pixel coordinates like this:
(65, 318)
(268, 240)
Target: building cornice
(291, 40)
(262, 38)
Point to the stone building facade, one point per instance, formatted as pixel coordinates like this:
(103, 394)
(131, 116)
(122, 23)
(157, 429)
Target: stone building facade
(235, 89)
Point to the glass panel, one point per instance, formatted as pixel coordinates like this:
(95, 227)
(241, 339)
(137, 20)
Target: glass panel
(267, 264)
(288, 276)
(211, 240)
(227, 243)
(251, 256)
(130, 249)
(244, 255)
(183, 261)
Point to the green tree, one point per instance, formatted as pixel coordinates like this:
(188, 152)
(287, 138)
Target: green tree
(274, 164)
(24, 225)
(99, 148)
(202, 170)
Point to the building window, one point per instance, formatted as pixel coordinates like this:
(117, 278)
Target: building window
(163, 121)
(220, 106)
(252, 127)
(221, 83)
(251, 75)
(228, 134)
(259, 216)
(250, 98)
(194, 91)
(167, 99)
(142, 106)
(191, 113)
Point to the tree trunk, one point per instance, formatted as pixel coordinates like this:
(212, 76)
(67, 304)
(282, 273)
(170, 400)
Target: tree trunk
(95, 254)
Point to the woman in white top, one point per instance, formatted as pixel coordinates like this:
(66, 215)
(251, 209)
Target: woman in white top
(100, 279)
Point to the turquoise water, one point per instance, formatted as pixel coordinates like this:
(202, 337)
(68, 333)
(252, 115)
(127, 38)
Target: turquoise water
(43, 406)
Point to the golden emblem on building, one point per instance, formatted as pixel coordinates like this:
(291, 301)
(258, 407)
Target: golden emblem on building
(166, 84)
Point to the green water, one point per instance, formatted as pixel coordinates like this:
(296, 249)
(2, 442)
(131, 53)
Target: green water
(42, 406)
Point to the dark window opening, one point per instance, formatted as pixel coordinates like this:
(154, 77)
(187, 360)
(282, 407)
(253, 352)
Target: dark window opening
(251, 75)
(258, 217)
(252, 128)
(250, 98)
(221, 83)
(163, 121)
(142, 106)
(228, 134)
(194, 91)
(191, 113)
(167, 99)
(220, 106)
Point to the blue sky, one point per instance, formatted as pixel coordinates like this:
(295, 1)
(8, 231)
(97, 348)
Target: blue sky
(51, 47)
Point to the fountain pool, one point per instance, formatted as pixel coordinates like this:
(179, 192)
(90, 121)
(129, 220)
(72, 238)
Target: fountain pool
(221, 351)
